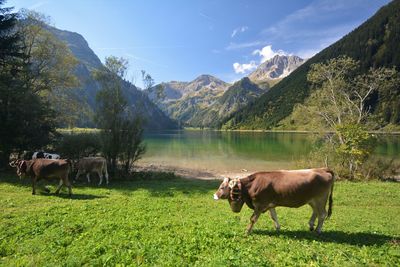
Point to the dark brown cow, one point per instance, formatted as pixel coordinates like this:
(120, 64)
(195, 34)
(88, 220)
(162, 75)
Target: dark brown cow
(264, 191)
(44, 168)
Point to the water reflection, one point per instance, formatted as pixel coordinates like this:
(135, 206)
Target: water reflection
(216, 150)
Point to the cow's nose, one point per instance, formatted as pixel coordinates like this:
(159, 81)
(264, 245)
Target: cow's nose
(216, 197)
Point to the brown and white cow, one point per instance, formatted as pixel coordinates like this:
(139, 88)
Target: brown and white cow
(263, 191)
(44, 169)
(92, 164)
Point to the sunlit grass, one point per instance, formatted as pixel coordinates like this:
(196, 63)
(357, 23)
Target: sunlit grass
(159, 219)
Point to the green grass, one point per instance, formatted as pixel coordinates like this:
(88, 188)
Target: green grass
(160, 219)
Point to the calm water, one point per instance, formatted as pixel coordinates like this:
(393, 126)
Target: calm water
(234, 151)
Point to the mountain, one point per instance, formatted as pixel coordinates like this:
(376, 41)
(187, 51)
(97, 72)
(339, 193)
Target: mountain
(235, 97)
(275, 69)
(376, 43)
(182, 100)
(86, 93)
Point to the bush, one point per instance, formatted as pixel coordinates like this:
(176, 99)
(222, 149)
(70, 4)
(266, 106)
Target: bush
(76, 146)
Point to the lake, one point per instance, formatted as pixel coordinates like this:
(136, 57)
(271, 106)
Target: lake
(235, 152)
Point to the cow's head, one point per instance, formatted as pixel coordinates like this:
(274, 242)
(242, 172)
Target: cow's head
(224, 190)
(21, 167)
(230, 189)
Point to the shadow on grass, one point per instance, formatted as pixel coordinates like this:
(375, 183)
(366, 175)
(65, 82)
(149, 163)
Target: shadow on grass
(338, 237)
(158, 184)
(74, 196)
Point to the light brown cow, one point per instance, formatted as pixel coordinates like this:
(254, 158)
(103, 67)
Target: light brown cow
(264, 191)
(44, 169)
(92, 164)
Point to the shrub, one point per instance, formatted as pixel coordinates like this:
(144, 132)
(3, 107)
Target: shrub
(75, 146)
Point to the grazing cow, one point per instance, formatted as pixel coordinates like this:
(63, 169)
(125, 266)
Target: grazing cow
(264, 191)
(92, 164)
(44, 168)
(45, 155)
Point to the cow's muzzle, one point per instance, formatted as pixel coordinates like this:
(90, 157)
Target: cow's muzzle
(216, 197)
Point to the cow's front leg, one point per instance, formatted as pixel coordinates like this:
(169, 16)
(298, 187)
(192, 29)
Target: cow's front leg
(33, 185)
(253, 220)
(77, 176)
(88, 177)
(274, 217)
(59, 186)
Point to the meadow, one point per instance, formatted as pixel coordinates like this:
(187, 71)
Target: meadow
(164, 220)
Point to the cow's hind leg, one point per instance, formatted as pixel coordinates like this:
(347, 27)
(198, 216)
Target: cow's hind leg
(59, 186)
(106, 175)
(253, 220)
(321, 203)
(68, 184)
(100, 174)
(314, 214)
(274, 217)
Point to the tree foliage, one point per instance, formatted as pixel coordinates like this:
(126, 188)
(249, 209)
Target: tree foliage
(341, 100)
(121, 130)
(32, 63)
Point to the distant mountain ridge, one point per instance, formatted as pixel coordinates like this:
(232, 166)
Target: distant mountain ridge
(86, 93)
(206, 100)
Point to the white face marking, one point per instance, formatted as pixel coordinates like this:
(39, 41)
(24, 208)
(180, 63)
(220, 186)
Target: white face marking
(215, 197)
(226, 180)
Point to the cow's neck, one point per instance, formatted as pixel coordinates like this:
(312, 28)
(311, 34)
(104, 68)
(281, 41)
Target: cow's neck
(246, 183)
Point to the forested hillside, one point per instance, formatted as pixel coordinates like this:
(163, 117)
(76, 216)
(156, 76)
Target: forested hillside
(376, 43)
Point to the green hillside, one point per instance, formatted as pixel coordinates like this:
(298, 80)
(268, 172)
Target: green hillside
(375, 43)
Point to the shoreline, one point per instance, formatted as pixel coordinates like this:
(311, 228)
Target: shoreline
(192, 173)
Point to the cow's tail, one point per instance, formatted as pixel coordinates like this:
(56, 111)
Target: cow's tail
(331, 195)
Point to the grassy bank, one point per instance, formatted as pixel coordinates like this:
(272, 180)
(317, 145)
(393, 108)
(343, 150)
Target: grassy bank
(160, 219)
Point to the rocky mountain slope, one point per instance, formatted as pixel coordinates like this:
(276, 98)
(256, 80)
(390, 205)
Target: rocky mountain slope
(275, 69)
(182, 100)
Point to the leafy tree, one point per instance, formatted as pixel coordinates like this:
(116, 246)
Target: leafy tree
(342, 101)
(32, 63)
(51, 63)
(121, 130)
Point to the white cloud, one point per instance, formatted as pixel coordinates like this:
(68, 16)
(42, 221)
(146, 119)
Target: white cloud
(243, 68)
(237, 46)
(239, 30)
(267, 53)
(37, 5)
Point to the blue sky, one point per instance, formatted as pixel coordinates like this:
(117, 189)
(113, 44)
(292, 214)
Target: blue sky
(182, 39)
